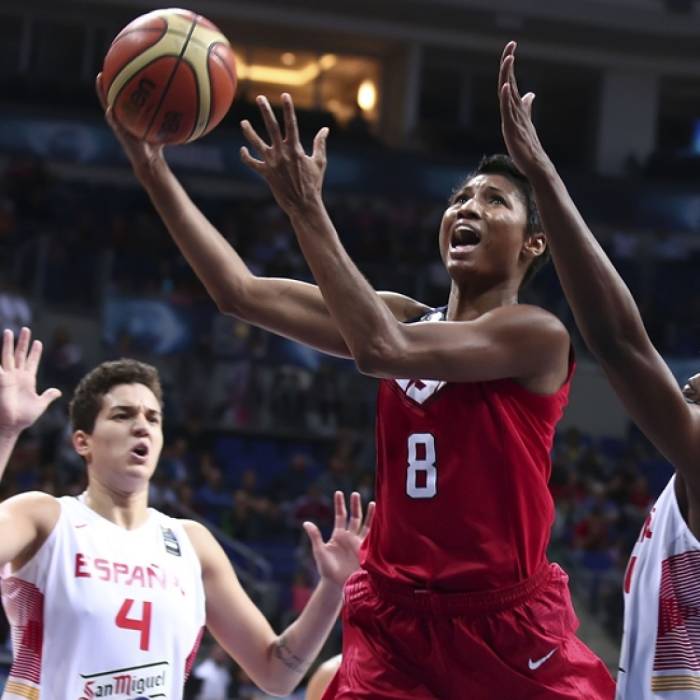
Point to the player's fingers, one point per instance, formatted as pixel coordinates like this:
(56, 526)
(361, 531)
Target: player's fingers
(368, 519)
(355, 522)
(49, 396)
(8, 342)
(273, 128)
(694, 382)
(510, 107)
(509, 122)
(502, 71)
(319, 146)
(252, 163)
(254, 138)
(22, 347)
(504, 102)
(341, 514)
(123, 136)
(314, 535)
(34, 356)
(527, 103)
(691, 391)
(99, 89)
(510, 61)
(291, 128)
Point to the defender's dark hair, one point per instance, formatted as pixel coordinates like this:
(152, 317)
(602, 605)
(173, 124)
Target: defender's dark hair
(500, 164)
(87, 399)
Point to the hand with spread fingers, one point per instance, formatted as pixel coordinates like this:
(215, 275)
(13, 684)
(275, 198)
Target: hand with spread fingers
(295, 178)
(340, 556)
(20, 405)
(143, 156)
(519, 132)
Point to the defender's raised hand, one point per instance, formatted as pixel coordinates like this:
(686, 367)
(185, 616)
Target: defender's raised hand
(20, 405)
(519, 132)
(142, 155)
(340, 556)
(294, 177)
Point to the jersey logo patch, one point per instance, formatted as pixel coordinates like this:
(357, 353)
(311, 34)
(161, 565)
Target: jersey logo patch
(420, 390)
(172, 546)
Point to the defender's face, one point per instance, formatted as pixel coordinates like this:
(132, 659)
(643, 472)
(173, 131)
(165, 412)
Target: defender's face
(125, 444)
(483, 229)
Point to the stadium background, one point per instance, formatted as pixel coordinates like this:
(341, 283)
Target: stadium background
(259, 432)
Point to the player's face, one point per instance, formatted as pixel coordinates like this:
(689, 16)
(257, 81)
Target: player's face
(123, 449)
(483, 230)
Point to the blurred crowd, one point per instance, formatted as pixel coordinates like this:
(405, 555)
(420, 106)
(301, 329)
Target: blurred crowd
(603, 489)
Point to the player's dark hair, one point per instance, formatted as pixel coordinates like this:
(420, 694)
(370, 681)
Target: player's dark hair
(87, 399)
(500, 164)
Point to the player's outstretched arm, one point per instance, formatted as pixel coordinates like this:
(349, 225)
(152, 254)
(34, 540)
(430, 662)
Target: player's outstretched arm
(287, 307)
(25, 518)
(277, 663)
(603, 307)
(520, 342)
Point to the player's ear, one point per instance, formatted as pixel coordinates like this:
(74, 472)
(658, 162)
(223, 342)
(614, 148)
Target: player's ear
(535, 244)
(81, 442)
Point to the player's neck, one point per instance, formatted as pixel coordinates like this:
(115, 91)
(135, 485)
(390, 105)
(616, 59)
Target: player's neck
(466, 304)
(125, 509)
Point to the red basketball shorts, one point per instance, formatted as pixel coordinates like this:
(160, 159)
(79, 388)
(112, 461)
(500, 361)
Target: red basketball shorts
(512, 644)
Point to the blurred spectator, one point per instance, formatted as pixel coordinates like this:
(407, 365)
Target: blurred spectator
(294, 481)
(337, 477)
(63, 364)
(15, 311)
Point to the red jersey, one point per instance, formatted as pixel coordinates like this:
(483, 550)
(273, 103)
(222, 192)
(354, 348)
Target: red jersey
(461, 487)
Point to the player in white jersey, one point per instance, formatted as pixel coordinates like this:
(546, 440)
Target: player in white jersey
(106, 596)
(661, 641)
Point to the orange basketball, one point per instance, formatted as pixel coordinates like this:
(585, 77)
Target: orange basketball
(169, 76)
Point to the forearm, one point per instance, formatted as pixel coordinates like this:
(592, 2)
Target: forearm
(603, 307)
(8, 440)
(363, 319)
(296, 648)
(214, 261)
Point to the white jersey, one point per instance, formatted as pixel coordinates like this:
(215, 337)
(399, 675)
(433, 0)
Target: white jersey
(660, 656)
(104, 611)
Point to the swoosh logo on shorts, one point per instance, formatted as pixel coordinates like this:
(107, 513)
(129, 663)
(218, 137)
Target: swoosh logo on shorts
(534, 665)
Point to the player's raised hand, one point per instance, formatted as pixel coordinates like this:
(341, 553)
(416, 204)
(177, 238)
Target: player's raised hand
(142, 155)
(20, 405)
(294, 177)
(519, 132)
(340, 556)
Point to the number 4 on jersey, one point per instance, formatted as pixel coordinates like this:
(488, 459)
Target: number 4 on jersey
(142, 624)
(421, 461)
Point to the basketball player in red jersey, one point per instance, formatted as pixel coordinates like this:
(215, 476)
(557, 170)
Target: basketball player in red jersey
(456, 598)
(661, 643)
(100, 585)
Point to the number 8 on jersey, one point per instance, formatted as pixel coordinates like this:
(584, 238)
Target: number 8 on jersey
(421, 477)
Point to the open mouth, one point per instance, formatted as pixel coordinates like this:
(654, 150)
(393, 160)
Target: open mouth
(139, 452)
(464, 238)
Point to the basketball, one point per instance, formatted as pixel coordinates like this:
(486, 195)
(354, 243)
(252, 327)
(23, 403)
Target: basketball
(169, 76)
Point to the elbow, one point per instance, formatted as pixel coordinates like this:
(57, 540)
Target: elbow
(233, 301)
(278, 690)
(377, 359)
(229, 306)
(276, 685)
